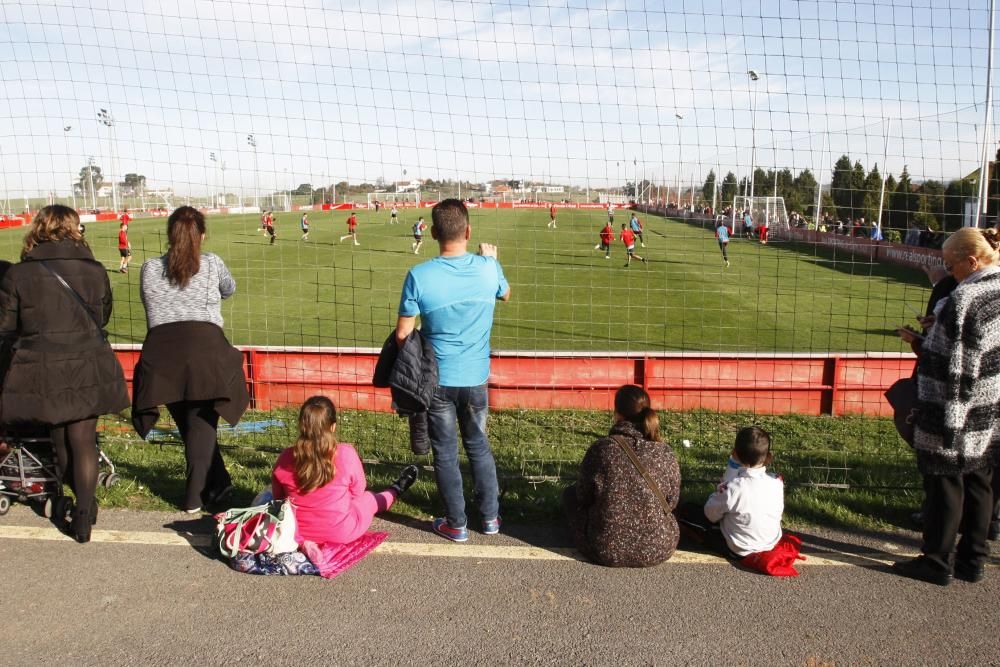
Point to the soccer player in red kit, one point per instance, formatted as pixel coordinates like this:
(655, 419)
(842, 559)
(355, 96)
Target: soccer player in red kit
(125, 218)
(552, 216)
(607, 238)
(628, 238)
(352, 229)
(124, 247)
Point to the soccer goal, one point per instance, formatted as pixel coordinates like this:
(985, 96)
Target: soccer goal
(405, 199)
(769, 210)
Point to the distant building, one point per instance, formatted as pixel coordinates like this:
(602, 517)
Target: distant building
(408, 186)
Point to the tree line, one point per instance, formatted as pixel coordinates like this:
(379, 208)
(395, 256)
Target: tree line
(854, 193)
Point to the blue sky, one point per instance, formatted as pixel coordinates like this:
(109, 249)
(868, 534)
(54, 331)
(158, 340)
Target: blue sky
(559, 91)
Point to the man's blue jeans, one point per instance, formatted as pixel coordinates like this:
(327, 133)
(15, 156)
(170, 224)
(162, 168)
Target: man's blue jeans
(466, 406)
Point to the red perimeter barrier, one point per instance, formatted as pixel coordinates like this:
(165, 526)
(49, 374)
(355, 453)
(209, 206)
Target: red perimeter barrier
(810, 384)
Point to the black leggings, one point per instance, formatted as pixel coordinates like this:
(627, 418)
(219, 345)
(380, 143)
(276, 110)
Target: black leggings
(206, 471)
(75, 445)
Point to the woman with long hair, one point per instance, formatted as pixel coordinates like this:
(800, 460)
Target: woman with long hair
(325, 481)
(54, 307)
(187, 363)
(957, 433)
(620, 508)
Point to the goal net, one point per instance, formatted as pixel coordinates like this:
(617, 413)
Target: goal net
(766, 212)
(407, 199)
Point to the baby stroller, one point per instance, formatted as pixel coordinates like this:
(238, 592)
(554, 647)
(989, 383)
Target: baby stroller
(28, 472)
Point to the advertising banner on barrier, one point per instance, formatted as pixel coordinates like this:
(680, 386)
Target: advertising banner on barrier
(913, 257)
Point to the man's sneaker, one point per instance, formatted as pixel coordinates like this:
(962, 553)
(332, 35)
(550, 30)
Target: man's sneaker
(607, 257)
(727, 263)
(491, 526)
(441, 527)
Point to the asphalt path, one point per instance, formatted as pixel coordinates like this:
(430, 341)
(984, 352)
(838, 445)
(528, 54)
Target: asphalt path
(147, 591)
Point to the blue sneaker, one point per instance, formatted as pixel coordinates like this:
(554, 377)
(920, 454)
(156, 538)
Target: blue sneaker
(491, 526)
(441, 527)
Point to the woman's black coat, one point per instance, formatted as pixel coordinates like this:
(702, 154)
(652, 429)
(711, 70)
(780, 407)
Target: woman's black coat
(60, 367)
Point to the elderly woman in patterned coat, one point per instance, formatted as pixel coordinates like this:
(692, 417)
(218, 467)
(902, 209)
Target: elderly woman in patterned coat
(957, 434)
(620, 509)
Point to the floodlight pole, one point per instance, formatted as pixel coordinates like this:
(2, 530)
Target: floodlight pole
(885, 172)
(984, 168)
(108, 120)
(819, 177)
(753, 128)
(72, 183)
(680, 149)
(93, 191)
(252, 142)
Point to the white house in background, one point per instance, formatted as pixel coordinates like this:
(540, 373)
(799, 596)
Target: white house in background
(554, 189)
(104, 191)
(408, 186)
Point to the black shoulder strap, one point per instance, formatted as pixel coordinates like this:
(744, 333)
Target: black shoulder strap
(77, 297)
(623, 443)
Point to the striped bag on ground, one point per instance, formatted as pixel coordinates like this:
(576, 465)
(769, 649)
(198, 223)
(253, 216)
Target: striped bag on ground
(268, 528)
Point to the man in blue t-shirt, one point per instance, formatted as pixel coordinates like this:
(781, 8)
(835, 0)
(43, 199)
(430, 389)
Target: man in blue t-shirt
(455, 295)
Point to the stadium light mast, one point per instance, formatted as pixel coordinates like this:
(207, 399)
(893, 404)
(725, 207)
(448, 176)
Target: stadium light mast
(212, 192)
(984, 168)
(754, 76)
(252, 142)
(106, 119)
(72, 183)
(680, 149)
(90, 172)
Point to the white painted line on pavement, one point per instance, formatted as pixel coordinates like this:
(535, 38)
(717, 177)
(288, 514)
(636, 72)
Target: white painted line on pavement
(415, 549)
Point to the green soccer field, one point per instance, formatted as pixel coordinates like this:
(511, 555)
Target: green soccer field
(565, 294)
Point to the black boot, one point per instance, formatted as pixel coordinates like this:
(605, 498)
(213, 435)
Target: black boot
(406, 479)
(83, 520)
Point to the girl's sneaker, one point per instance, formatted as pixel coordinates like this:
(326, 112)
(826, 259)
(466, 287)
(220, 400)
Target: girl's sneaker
(441, 527)
(491, 526)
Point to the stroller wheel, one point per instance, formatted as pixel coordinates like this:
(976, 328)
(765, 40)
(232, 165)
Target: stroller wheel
(111, 480)
(102, 478)
(4, 505)
(61, 508)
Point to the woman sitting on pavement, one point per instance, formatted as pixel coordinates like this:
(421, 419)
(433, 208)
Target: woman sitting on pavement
(325, 481)
(54, 306)
(629, 483)
(187, 363)
(957, 434)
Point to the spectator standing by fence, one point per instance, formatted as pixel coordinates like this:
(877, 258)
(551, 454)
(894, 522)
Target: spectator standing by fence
(956, 435)
(455, 294)
(62, 373)
(187, 363)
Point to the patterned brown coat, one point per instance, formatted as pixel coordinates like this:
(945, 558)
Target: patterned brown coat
(615, 517)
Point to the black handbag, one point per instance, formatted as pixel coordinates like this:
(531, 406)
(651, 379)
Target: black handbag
(902, 396)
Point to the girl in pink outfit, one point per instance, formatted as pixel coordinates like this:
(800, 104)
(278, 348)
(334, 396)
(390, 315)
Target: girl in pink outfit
(325, 481)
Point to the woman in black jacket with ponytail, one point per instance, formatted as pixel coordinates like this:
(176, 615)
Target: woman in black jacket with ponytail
(618, 516)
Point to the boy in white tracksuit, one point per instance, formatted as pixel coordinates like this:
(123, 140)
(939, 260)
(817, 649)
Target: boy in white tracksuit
(749, 502)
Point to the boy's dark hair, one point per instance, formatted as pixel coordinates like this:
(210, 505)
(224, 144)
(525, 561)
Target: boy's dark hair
(449, 220)
(753, 446)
